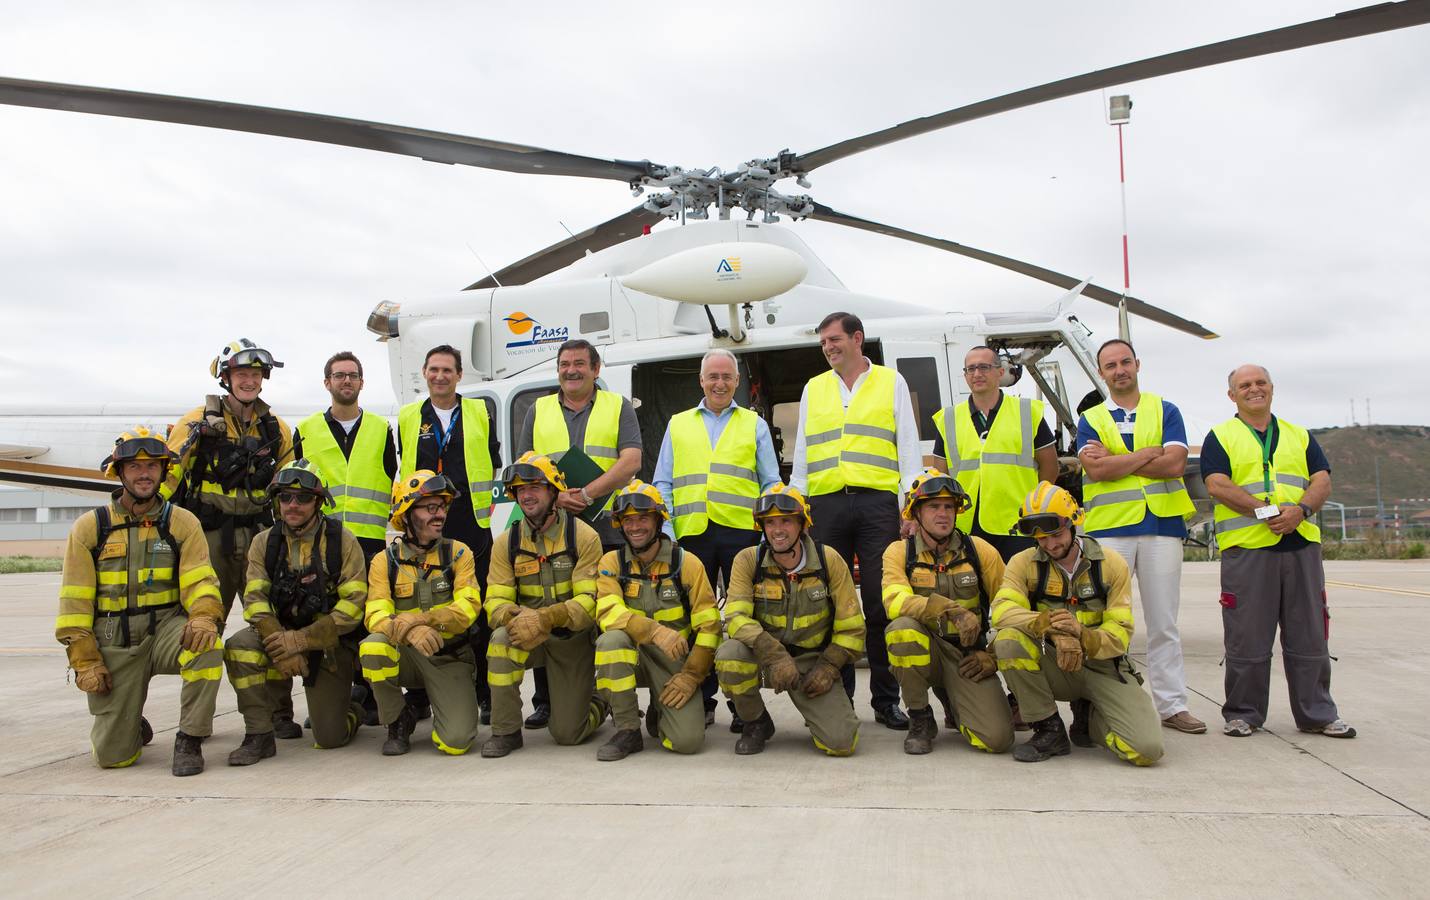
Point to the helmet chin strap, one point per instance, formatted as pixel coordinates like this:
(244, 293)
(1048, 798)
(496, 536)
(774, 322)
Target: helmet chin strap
(638, 551)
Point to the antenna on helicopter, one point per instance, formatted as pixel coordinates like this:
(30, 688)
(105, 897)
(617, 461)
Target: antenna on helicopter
(490, 273)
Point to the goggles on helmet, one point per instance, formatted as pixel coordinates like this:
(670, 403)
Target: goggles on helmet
(133, 448)
(938, 484)
(524, 473)
(778, 505)
(256, 356)
(1040, 525)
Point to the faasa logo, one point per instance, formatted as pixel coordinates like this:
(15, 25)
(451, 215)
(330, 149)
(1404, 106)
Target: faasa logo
(530, 333)
(728, 269)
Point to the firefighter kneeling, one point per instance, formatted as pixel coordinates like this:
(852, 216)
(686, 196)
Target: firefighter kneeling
(1070, 597)
(796, 621)
(938, 586)
(303, 598)
(651, 598)
(422, 596)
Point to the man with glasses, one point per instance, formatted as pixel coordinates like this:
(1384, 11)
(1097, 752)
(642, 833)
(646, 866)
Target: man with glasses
(422, 600)
(856, 448)
(1063, 622)
(307, 585)
(1269, 478)
(658, 617)
(938, 587)
(714, 461)
(794, 624)
(541, 599)
(1133, 450)
(138, 598)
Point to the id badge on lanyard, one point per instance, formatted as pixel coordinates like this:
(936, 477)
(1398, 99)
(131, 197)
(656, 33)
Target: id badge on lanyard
(444, 436)
(1271, 509)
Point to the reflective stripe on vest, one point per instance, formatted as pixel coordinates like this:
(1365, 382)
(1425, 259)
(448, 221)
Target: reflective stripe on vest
(549, 435)
(475, 451)
(1127, 500)
(658, 597)
(997, 472)
(854, 447)
(362, 493)
(798, 611)
(704, 491)
(1289, 479)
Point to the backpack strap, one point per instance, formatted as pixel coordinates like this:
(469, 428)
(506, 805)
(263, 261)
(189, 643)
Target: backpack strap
(103, 525)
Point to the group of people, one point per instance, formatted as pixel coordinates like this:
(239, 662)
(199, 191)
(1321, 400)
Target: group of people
(974, 569)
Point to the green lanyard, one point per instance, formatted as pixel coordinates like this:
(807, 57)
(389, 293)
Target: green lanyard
(1265, 453)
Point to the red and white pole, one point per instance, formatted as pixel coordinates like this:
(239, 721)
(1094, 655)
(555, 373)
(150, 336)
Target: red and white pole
(1122, 177)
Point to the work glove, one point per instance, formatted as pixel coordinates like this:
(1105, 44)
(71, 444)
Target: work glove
(678, 690)
(200, 634)
(699, 662)
(447, 619)
(670, 642)
(936, 606)
(282, 644)
(295, 666)
(781, 674)
(1069, 652)
(382, 627)
(1061, 621)
(527, 630)
(403, 623)
(966, 623)
(554, 616)
(1038, 625)
(977, 665)
(502, 615)
(90, 673)
(424, 639)
(819, 679)
(322, 633)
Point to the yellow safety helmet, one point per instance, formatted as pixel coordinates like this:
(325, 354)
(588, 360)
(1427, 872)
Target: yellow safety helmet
(137, 443)
(242, 354)
(638, 497)
(532, 468)
(422, 483)
(931, 483)
(300, 476)
(781, 500)
(1047, 510)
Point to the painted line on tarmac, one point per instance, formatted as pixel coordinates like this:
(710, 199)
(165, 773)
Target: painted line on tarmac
(28, 651)
(1375, 587)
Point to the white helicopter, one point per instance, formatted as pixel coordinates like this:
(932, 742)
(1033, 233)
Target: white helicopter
(647, 297)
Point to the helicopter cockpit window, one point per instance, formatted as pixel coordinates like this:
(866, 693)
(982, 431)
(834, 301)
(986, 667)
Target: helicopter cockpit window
(520, 403)
(594, 321)
(921, 373)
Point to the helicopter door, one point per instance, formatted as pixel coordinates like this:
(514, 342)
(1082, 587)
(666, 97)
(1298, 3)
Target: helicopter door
(925, 369)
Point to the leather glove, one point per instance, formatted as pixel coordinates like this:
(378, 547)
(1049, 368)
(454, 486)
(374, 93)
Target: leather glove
(499, 617)
(527, 631)
(670, 642)
(967, 624)
(1089, 642)
(977, 665)
(424, 639)
(1069, 652)
(699, 662)
(1038, 625)
(403, 623)
(554, 616)
(381, 626)
(1061, 621)
(781, 674)
(322, 633)
(678, 690)
(936, 606)
(95, 680)
(90, 673)
(819, 679)
(295, 666)
(447, 619)
(200, 634)
(283, 644)
(640, 627)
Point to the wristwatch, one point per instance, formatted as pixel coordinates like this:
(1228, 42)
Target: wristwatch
(587, 497)
(1306, 510)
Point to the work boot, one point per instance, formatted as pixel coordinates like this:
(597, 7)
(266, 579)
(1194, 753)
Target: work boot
(1078, 731)
(922, 730)
(284, 727)
(753, 737)
(1018, 723)
(1049, 739)
(622, 744)
(484, 712)
(416, 699)
(399, 733)
(499, 745)
(892, 717)
(949, 720)
(539, 718)
(652, 721)
(362, 695)
(253, 748)
(146, 731)
(188, 755)
(737, 724)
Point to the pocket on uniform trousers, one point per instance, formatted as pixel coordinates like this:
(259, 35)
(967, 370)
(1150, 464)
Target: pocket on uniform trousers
(1228, 600)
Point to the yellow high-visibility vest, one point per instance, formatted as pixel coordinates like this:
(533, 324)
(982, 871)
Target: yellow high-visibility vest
(475, 451)
(713, 484)
(854, 447)
(1289, 476)
(362, 492)
(550, 437)
(1127, 500)
(997, 472)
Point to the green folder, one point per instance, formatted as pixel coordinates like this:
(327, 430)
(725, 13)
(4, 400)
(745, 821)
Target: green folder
(580, 470)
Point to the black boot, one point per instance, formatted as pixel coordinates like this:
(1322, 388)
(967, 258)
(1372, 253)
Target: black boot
(737, 724)
(417, 701)
(284, 727)
(922, 730)
(188, 755)
(540, 717)
(1049, 739)
(253, 748)
(1078, 731)
(399, 733)
(499, 745)
(753, 737)
(652, 720)
(621, 745)
(146, 731)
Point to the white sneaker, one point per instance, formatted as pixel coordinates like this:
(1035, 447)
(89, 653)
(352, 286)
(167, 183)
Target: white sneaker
(1237, 728)
(1336, 729)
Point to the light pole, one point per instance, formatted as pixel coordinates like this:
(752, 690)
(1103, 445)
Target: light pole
(1119, 113)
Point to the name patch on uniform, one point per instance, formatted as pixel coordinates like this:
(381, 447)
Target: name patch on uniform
(403, 590)
(772, 591)
(965, 579)
(922, 578)
(528, 567)
(633, 589)
(112, 550)
(562, 562)
(1085, 591)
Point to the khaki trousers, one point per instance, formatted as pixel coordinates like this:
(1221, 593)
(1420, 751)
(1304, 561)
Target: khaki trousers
(829, 717)
(447, 678)
(256, 682)
(921, 660)
(570, 661)
(620, 665)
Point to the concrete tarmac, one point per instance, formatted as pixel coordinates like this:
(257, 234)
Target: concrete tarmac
(1280, 813)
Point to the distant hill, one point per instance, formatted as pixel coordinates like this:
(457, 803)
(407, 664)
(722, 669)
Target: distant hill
(1404, 453)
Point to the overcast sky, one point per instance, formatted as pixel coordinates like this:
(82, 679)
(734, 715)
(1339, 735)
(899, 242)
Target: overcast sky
(1280, 201)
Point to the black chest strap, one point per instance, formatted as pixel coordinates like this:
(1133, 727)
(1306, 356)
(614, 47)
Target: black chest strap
(677, 560)
(103, 527)
(514, 548)
(967, 553)
(424, 569)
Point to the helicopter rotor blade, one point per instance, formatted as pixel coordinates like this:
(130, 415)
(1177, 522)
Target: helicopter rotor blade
(559, 255)
(1112, 298)
(1350, 24)
(434, 146)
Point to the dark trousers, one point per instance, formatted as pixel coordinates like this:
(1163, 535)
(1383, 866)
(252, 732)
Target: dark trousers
(863, 524)
(1261, 589)
(717, 547)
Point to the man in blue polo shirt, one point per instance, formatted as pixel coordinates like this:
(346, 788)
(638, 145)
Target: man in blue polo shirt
(1133, 450)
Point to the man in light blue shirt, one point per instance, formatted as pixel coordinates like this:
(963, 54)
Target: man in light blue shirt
(710, 525)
